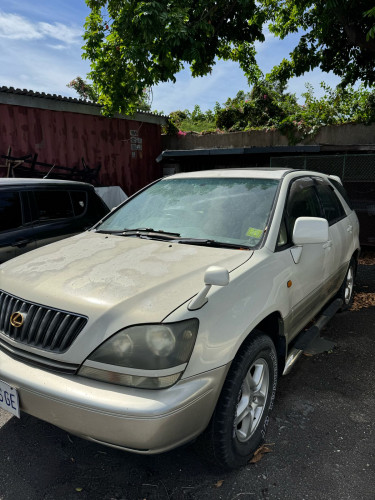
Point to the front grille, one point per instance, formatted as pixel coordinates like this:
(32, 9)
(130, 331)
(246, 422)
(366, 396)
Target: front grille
(43, 327)
(38, 361)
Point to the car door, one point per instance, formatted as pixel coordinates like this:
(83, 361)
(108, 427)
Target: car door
(16, 232)
(60, 213)
(53, 215)
(340, 235)
(307, 264)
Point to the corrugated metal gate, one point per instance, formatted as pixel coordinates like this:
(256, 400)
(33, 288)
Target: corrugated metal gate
(358, 175)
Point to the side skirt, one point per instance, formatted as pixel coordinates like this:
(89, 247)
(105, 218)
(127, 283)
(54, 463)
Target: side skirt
(309, 340)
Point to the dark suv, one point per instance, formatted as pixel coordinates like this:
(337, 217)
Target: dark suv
(35, 212)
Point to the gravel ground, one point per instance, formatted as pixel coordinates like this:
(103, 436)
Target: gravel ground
(321, 438)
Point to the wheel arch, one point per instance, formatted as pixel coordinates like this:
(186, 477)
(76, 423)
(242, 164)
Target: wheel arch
(272, 326)
(355, 257)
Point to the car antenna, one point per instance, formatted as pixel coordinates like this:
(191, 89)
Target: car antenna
(49, 171)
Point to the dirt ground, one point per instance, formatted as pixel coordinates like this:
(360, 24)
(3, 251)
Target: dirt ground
(320, 441)
(364, 297)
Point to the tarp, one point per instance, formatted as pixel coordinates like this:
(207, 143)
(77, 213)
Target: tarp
(111, 195)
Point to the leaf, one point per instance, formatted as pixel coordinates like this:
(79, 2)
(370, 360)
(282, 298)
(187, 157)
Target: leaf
(219, 483)
(260, 452)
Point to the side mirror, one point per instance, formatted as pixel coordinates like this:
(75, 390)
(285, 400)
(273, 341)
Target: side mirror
(214, 275)
(310, 230)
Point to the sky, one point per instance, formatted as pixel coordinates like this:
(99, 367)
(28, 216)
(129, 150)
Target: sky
(41, 50)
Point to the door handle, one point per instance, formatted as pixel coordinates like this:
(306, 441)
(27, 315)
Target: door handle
(20, 243)
(328, 244)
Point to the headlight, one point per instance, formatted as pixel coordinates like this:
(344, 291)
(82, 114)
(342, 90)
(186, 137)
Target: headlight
(148, 356)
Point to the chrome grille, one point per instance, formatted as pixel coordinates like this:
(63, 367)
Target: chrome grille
(44, 328)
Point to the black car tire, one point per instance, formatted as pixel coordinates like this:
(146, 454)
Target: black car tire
(250, 386)
(346, 291)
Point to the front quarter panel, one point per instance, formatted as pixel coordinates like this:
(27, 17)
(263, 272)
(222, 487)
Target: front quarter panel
(233, 311)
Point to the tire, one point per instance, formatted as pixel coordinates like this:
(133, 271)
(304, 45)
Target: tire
(239, 423)
(346, 291)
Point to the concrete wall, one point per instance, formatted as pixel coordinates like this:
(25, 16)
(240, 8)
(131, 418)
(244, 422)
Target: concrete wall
(337, 135)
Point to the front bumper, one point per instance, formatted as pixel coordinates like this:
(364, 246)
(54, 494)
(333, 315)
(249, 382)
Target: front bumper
(142, 421)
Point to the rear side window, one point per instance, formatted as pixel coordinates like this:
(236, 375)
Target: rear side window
(53, 205)
(340, 188)
(333, 210)
(79, 200)
(10, 211)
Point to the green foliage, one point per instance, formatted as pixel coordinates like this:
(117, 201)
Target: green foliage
(84, 90)
(262, 107)
(338, 36)
(88, 91)
(184, 121)
(337, 106)
(197, 115)
(170, 128)
(134, 45)
(371, 33)
(268, 106)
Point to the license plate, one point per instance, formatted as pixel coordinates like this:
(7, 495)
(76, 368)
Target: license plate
(9, 399)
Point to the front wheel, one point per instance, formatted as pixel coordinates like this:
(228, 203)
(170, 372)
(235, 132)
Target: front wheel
(346, 292)
(241, 417)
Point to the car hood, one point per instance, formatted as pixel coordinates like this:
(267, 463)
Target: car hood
(97, 274)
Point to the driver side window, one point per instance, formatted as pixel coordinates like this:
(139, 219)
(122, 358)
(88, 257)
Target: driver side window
(302, 201)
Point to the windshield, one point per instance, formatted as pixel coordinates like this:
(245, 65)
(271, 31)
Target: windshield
(227, 210)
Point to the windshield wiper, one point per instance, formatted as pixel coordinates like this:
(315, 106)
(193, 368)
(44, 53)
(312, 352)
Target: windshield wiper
(108, 231)
(141, 232)
(211, 243)
(149, 232)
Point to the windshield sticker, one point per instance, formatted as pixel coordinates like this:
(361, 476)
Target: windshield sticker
(254, 233)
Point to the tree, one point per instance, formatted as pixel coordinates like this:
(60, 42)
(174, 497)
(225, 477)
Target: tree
(84, 89)
(134, 45)
(338, 36)
(265, 106)
(268, 106)
(371, 33)
(87, 91)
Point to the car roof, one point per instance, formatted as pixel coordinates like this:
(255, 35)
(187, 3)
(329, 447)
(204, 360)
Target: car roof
(20, 181)
(251, 173)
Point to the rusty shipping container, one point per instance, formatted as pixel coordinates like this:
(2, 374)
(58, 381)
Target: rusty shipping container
(64, 130)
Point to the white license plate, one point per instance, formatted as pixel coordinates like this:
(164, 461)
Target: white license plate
(9, 399)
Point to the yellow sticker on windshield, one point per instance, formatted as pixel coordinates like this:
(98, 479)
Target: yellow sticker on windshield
(254, 233)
